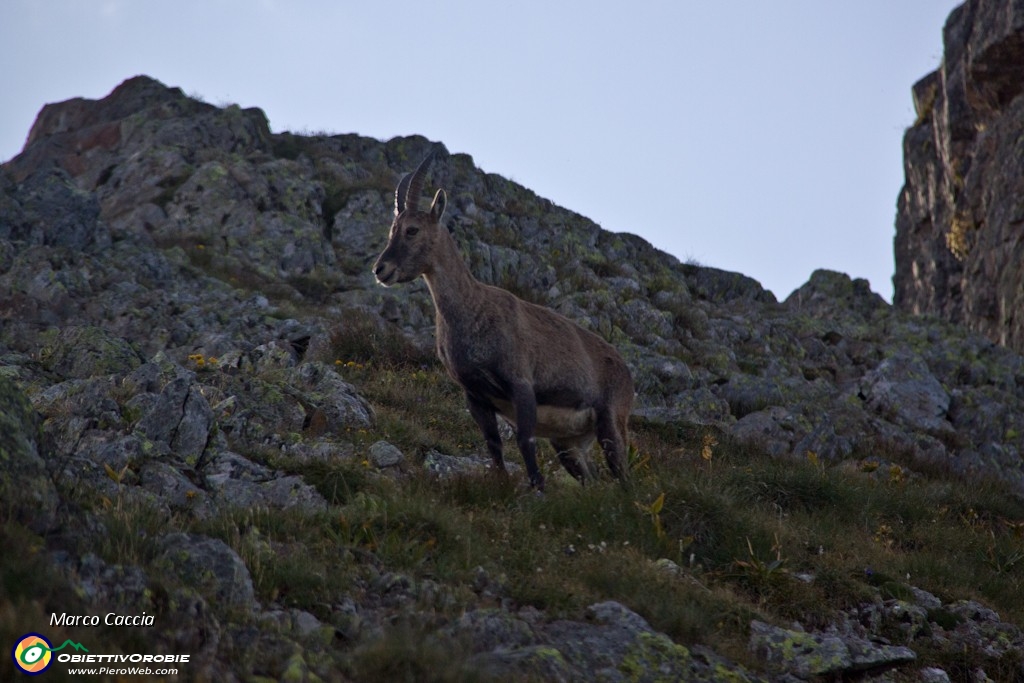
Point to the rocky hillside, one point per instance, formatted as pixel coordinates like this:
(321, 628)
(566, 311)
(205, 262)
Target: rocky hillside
(959, 236)
(212, 414)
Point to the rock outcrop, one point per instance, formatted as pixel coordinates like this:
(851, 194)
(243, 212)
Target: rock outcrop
(181, 290)
(960, 226)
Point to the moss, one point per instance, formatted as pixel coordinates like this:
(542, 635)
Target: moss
(958, 237)
(88, 352)
(798, 651)
(548, 654)
(533, 663)
(654, 658)
(297, 670)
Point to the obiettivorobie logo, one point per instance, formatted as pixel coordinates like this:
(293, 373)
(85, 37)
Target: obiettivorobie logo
(33, 653)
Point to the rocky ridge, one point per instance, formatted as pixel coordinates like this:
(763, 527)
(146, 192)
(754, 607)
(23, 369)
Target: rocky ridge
(959, 243)
(172, 279)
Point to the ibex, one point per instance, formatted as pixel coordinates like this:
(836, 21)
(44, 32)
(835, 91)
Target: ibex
(545, 374)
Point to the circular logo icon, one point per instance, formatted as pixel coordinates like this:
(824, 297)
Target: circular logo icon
(32, 654)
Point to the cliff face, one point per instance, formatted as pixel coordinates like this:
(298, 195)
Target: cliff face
(211, 413)
(960, 225)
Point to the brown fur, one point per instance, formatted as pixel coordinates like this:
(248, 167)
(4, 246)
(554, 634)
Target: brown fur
(541, 371)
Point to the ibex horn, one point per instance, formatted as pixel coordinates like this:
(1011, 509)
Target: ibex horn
(414, 186)
(401, 191)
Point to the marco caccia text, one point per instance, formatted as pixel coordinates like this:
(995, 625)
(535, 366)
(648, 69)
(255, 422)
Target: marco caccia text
(111, 619)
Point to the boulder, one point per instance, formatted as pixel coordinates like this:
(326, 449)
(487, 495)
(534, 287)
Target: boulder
(325, 391)
(235, 482)
(88, 351)
(809, 655)
(903, 389)
(47, 209)
(209, 566)
(383, 455)
(178, 416)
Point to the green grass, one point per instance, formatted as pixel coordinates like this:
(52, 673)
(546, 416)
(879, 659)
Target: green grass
(416, 407)
(747, 530)
(751, 537)
(411, 653)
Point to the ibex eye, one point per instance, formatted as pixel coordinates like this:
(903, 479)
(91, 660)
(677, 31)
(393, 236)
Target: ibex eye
(411, 230)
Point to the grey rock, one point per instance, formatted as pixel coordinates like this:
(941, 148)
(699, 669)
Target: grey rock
(746, 394)
(613, 613)
(493, 629)
(696, 406)
(49, 210)
(671, 374)
(273, 355)
(180, 417)
(73, 407)
(933, 674)
(384, 454)
(443, 465)
(89, 351)
(722, 286)
(822, 654)
(240, 483)
(773, 431)
(125, 588)
(509, 268)
(324, 390)
(925, 599)
(143, 379)
(209, 566)
(619, 645)
(835, 437)
(301, 622)
(118, 452)
(643, 322)
(174, 489)
(669, 567)
(536, 662)
(305, 623)
(356, 227)
(256, 412)
(904, 389)
(227, 466)
(957, 244)
(828, 292)
(614, 644)
(266, 213)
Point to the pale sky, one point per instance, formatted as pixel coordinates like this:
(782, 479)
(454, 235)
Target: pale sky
(759, 137)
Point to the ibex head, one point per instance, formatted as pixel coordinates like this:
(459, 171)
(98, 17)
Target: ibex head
(414, 233)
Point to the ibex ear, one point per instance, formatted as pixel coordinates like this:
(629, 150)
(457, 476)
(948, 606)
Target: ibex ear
(438, 205)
